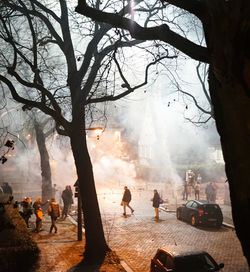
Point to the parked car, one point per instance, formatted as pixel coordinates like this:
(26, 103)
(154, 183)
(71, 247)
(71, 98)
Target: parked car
(183, 259)
(200, 212)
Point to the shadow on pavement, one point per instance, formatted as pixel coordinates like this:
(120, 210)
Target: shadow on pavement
(86, 268)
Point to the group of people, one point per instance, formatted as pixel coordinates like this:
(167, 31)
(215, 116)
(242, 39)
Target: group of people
(187, 190)
(210, 191)
(37, 208)
(126, 198)
(191, 182)
(53, 210)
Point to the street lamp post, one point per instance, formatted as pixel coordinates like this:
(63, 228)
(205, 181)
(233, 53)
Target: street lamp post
(79, 211)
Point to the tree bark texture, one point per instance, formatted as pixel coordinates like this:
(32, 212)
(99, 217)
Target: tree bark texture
(228, 39)
(45, 163)
(95, 247)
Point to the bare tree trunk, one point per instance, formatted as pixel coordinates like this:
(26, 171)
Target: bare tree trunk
(232, 120)
(95, 247)
(227, 33)
(45, 164)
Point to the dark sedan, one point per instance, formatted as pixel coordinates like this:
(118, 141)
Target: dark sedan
(183, 259)
(200, 212)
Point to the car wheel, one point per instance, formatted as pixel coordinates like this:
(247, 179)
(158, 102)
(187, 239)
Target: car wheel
(178, 214)
(193, 220)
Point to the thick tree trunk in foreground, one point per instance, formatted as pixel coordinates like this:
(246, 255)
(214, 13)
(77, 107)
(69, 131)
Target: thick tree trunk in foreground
(45, 164)
(95, 247)
(232, 120)
(228, 39)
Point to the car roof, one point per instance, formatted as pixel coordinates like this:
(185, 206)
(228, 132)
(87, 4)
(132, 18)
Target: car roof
(201, 202)
(178, 251)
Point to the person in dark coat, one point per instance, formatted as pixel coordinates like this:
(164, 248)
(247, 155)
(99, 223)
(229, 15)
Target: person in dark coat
(209, 191)
(126, 198)
(67, 201)
(6, 188)
(54, 212)
(27, 210)
(156, 203)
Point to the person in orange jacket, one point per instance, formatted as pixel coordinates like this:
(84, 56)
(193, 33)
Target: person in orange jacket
(39, 213)
(54, 212)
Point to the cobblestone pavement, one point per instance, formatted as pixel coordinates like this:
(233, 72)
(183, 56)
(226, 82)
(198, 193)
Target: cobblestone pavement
(61, 252)
(135, 238)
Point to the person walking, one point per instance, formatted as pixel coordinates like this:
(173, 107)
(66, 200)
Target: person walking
(67, 200)
(156, 203)
(38, 213)
(54, 212)
(27, 210)
(126, 198)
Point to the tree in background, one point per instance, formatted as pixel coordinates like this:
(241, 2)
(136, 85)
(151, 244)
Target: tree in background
(49, 63)
(227, 31)
(15, 128)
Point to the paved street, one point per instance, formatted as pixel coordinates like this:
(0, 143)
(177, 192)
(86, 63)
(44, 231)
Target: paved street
(135, 238)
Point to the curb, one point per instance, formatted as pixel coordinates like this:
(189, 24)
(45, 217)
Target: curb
(125, 266)
(73, 221)
(228, 225)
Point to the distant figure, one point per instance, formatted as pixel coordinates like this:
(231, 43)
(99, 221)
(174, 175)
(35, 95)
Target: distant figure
(197, 189)
(185, 193)
(190, 176)
(26, 204)
(199, 178)
(209, 191)
(126, 198)
(53, 191)
(67, 201)
(215, 189)
(156, 203)
(38, 213)
(72, 201)
(54, 212)
(6, 188)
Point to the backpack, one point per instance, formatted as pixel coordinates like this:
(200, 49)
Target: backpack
(55, 212)
(161, 201)
(39, 214)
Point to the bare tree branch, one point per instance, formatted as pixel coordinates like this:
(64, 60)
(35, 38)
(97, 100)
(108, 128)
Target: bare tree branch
(162, 32)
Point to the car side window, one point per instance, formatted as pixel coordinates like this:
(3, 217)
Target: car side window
(195, 205)
(162, 257)
(189, 204)
(169, 263)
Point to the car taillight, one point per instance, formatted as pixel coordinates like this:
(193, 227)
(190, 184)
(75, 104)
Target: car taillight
(201, 212)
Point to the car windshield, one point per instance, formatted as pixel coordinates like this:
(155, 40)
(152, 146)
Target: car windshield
(197, 263)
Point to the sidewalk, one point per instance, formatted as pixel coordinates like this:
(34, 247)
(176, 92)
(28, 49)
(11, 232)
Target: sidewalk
(61, 251)
(135, 238)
